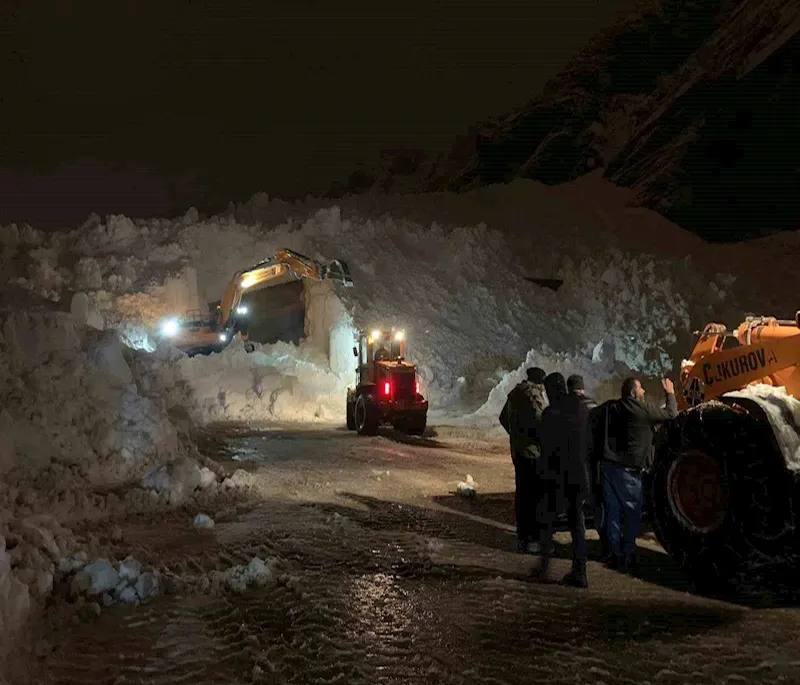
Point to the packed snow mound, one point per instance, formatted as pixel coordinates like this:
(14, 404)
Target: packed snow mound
(455, 276)
(280, 382)
(70, 410)
(783, 413)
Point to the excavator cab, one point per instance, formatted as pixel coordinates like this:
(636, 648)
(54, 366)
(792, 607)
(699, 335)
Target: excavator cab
(387, 389)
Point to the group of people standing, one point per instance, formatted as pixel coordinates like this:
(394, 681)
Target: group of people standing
(568, 450)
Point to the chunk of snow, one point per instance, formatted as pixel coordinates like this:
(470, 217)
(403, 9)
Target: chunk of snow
(466, 488)
(207, 478)
(239, 479)
(128, 596)
(203, 521)
(129, 570)
(257, 573)
(74, 563)
(101, 577)
(147, 586)
(178, 480)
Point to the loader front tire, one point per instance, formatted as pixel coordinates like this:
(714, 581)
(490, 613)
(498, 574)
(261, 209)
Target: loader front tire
(366, 421)
(723, 504)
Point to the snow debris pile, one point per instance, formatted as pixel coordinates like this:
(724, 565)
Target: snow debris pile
(100, 581)
(274, 382)
(237, 579)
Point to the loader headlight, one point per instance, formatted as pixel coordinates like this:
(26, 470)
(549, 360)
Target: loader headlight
(170, 328)
(223, 337)
(242, 310)
(400, 335)
(375, 335)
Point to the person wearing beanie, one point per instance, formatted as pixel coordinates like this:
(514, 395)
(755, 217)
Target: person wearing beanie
(576, 386)
(565, 451)
(522, 417)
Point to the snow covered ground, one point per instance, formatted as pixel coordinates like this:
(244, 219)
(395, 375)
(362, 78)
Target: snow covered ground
(92, 400)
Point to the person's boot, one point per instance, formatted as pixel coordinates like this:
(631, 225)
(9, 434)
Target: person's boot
(577, 576)
(542, 569)
(629, 564)
(533, 547)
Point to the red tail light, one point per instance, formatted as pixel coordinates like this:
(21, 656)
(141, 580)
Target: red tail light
(387, 388)
(416, 387)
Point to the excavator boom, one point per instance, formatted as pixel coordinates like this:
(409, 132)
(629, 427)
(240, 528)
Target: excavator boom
(285, 264)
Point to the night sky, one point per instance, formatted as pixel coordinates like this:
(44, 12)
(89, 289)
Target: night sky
(148, 107)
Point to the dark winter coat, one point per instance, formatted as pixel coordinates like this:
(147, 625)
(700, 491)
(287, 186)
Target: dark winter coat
(522, 419)
(566, 443)
(626, 428)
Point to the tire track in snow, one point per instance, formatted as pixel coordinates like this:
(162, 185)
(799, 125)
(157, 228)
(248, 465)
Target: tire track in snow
(372, 602)
(364, 622)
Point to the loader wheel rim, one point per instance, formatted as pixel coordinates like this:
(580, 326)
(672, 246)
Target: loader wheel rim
(698, 491)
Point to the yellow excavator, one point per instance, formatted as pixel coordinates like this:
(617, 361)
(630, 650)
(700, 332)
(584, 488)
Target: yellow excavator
(725, 485)
(197, 335)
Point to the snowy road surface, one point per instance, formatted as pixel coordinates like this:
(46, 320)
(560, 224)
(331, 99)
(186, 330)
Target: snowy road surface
(388, 577)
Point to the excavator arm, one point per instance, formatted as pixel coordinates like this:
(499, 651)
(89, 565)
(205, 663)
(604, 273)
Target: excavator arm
(284, 265)
(765, 350)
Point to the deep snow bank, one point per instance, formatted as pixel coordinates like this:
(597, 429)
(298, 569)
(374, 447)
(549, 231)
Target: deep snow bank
(451, 270)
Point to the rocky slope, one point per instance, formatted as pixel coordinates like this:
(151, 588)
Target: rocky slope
(689, 103)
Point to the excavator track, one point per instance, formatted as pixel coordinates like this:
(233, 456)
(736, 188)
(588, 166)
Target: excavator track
(724, 506)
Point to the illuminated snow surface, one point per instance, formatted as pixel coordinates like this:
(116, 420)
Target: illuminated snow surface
(451, 270)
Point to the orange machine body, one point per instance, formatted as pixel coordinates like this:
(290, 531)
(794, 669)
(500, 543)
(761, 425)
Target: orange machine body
(761, 350)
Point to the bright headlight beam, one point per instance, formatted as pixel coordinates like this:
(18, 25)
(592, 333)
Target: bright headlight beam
(376, 335)
(241, 310)
(399, 335)
(170, 327)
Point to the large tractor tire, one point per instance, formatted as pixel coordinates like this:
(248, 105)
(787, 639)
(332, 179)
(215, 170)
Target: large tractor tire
(351, 416)
(366, 421)
(724, 505)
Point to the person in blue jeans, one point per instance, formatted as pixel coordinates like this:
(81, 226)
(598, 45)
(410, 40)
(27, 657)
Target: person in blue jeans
(628, 425)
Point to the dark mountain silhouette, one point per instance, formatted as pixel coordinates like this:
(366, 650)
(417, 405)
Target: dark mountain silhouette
(693, 104)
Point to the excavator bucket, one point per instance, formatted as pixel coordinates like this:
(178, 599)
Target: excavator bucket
(337, 270)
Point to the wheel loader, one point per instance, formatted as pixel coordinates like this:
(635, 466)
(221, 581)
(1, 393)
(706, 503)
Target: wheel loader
(387, 387)
(724, 488)
(195, 334)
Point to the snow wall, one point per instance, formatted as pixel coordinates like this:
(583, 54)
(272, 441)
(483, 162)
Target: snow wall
(452, 270)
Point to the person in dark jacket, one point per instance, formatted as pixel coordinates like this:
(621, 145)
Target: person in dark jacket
(522, 417)
(565, 448)
(577, 386)
(627, 428)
